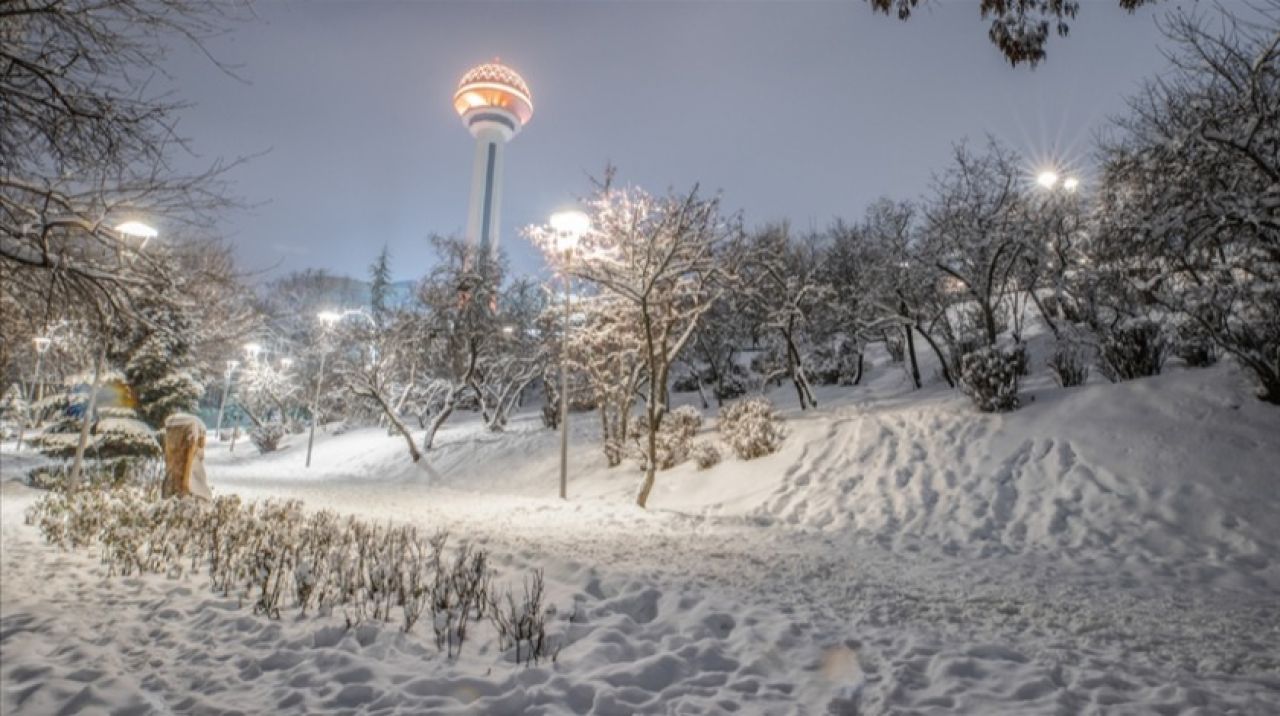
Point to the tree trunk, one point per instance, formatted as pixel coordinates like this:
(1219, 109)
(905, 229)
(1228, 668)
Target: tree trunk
(1044, 313)
(447, 409)
(946, 372)
(989, 321)
(911, 350)
(858, 378)
(396, 423)
(651, 409)
(651, 468)
(77, 468)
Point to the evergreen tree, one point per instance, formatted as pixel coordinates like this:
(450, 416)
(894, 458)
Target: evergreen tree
(380, 285)
(161, 372)
(13, 408)
(115, 430)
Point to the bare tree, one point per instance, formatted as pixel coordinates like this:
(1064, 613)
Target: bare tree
(974, 231)
(1189, 205)
(657, 255)
(783, 286)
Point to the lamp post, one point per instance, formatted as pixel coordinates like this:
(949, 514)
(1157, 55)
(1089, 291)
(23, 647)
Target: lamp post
(41, 344)
(226, 388)
(569, 227)
(129, 229)
(251, 350)
(327, 319)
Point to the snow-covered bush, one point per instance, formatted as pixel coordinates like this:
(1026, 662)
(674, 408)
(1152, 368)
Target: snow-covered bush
(1193, 346)
(1069, 365)
(675, 437)
(267, 437)
(990, 379)
(959, 348)
(752, 428)
(896, 345)
(1132, 349)
(705, 454)
(145, 474)
(1021, 359)
(733, 383)
(686, 381)
(523, 624)
(14, 410)
(275, 556)
(838, 364)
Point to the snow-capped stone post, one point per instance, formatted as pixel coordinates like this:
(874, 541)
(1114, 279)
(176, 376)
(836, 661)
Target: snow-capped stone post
(184, 438)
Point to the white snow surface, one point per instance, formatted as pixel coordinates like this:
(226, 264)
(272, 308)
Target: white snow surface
(1104, 549)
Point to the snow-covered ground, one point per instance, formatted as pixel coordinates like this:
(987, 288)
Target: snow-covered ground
(1110, 548)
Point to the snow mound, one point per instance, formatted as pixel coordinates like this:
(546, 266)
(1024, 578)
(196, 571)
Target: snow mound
(1179, 470)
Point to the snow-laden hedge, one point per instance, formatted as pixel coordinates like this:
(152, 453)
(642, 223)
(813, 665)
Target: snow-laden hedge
(1133, 349)
(705, 455)
(267, 437)
(751, 428)
(1069, 365)
(276, 556)
(990, 378)
(674, 439)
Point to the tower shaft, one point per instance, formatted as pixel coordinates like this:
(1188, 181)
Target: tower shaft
(484, 211)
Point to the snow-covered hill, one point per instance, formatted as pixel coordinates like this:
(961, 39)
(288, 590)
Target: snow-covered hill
(1178, 473)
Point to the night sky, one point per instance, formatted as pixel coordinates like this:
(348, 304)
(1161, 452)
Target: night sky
(804, 112)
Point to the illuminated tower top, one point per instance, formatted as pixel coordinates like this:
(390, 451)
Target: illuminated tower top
(493, 93)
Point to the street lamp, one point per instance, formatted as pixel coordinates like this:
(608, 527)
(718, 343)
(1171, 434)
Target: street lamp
(41, 344)
(138, 230)
(327, 319)
(226, 387)
(1047, 179)
(569, 226)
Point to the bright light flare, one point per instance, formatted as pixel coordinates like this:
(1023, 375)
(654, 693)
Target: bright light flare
(1047, 179)
(137, 229)
(329, 317)
(1071, 183)
(569, 227)
(253, 349)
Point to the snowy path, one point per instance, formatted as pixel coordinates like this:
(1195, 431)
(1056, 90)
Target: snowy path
(743, 614)
(928, 629)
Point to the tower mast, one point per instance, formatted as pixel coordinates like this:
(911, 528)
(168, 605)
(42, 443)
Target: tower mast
(494, 103)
